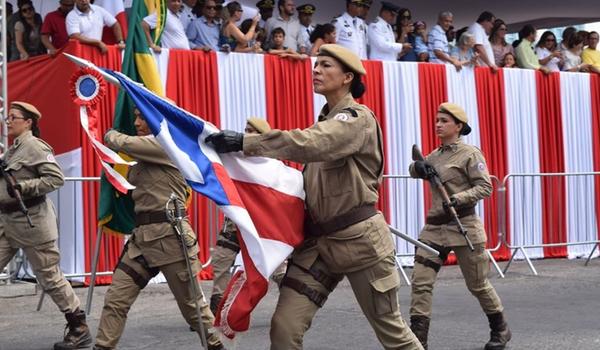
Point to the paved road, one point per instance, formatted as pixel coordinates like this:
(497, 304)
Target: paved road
(560, 309)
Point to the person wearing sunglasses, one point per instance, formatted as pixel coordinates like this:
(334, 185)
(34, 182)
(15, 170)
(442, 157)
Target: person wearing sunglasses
(498, 40)
(30, 161)
(54, 28)
(27, 34)
(203, 32)
(548, 53)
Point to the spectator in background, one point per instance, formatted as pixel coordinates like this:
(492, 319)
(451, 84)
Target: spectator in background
(451, 37)
(547, 52)
(173, 35)
(590, 55)
(186, 13)
(54, 28)
(86, 22)
(585, 35)
(464, 52)
(405, 36)
(265, 8)
(203, 32)
(11, 44)
(381, 34)
(498, 40)
(255, 43)
(231, 36)
(566, 36)
(572, 55)
(421, 41)
(481, 30)
(323, 34)
(9, 14)
(526, 58)
(349, 28)
(439, 52)
(27, 34)
(287, 22)
(509, 61)
(305, 13)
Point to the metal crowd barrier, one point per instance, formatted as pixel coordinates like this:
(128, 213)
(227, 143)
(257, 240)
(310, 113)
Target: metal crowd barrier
(402, 188)
(523, 186)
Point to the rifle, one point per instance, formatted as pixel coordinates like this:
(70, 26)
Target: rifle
(14, 191)
(434, 179)
(175, 210)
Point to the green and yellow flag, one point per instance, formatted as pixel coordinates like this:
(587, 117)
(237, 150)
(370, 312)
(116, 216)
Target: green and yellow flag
(115, 210)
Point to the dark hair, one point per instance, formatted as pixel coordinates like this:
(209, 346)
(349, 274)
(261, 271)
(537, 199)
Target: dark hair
(568, 33)
(277, 30)
(576, 39)
(37, 20)
(496, 28)
(232, 7)
(504, 58)
(485, 16)
(545, 37)
(246, 25)
(526, 31)
(593, 32)
(35, 129)
(320, 31)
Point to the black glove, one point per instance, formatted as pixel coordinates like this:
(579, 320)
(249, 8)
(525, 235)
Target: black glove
(453, 203)
(226, 141)
(11, 189)
(423, 169)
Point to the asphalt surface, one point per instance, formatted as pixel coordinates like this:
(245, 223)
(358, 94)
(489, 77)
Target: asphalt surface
(559, 309)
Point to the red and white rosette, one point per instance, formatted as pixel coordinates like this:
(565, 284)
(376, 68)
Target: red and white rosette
(87, 90)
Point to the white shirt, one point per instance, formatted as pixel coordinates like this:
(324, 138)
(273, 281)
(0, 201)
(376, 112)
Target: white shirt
(351, 34)
(382, 41)
(291, 28)
(186, 16)
(89, 24)
(542, 53)
(173, 35)
(481, 38)
(304, 38)
(571, 60)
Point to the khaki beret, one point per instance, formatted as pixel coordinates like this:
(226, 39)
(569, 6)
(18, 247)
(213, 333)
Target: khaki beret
(261, 125)
(342, 54)
(29, 108)
(458, 113)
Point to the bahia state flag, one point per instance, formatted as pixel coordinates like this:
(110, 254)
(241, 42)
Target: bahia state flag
(264, 197)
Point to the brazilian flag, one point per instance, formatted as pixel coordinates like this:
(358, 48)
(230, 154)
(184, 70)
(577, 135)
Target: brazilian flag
(115, 210)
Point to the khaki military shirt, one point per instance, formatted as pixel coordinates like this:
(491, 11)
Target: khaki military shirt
(344, 152)
(155, 178)
(31, 161)
(464, 173)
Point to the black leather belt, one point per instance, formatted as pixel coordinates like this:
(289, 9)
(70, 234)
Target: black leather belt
(447, 218)
(29, 202)
(152, 217)
(340, 222)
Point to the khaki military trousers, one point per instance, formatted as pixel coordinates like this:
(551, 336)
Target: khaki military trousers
(294, 312)
(44, 259)
(124, 290)
(474, 267)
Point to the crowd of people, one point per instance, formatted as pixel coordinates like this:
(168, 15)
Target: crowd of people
(393, 35)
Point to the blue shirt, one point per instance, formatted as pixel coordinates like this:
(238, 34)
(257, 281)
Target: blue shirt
(202, 33)
(437, 40)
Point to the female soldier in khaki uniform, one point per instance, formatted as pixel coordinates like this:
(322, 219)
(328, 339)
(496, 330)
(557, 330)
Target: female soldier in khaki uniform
(31, 162)
(153, 246)
(463, 172)
(345, 234)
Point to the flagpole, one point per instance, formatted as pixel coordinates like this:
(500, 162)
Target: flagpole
(87, 64)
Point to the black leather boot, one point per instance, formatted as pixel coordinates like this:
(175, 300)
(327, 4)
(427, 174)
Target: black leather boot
(78, 335)
(499, 334)
(420, 327)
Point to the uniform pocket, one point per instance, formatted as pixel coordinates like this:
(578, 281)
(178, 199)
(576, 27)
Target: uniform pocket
(44, 255)
(335, 178)
(452, 173)
(350, 248)
(385, 295)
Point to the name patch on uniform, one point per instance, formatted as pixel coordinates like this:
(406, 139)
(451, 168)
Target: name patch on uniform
(481, 166)
(341, 117)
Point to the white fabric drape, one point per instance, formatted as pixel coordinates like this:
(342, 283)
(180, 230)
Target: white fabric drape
(242, 91)
(578, 147)
(462, 90)
(525, 194)
(403, 130)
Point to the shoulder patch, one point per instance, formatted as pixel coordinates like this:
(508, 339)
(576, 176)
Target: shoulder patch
(481, 166)
(50, 158)
(341, 117)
